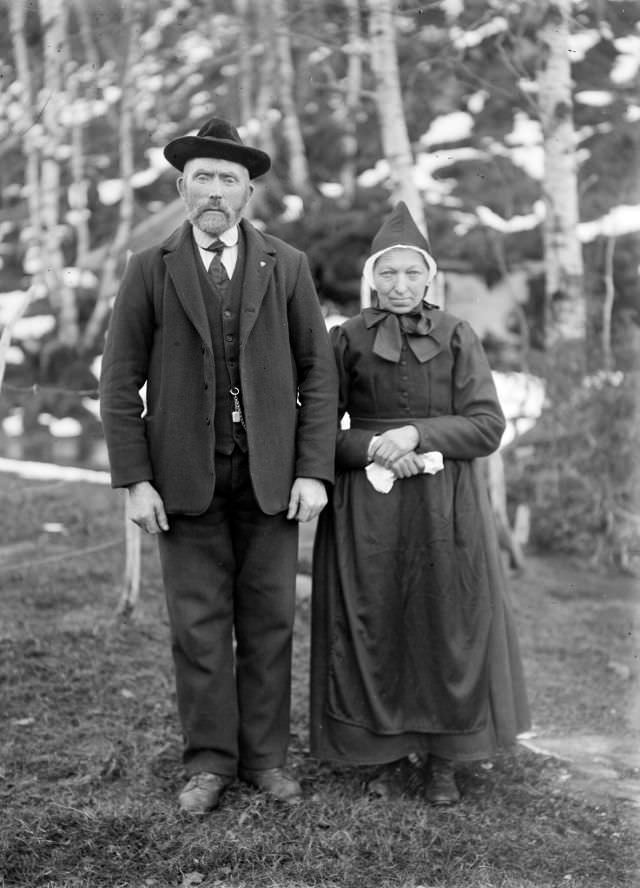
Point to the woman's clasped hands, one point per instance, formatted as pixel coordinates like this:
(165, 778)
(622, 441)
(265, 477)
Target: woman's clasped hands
(395, 450)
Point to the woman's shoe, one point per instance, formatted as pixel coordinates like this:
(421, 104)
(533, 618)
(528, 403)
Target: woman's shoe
(386, 782)
(441, 786)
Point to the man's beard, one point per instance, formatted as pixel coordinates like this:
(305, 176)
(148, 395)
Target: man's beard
(211, 223)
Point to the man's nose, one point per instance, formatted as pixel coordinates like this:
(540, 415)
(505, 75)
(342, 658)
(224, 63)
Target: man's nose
(215, 188)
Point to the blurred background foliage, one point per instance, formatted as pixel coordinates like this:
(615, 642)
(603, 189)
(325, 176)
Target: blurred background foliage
(91, 90)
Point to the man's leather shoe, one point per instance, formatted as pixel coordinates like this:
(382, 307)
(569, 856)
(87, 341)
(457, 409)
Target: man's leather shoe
(203, 792)
(274, 781)
(441, 786)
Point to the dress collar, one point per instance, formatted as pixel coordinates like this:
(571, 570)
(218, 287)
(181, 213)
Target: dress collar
(419, 329)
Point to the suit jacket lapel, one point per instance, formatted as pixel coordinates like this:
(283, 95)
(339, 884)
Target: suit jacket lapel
(259, 262)
(179, 259)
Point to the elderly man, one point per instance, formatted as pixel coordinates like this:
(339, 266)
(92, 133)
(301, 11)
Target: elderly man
(223, 324)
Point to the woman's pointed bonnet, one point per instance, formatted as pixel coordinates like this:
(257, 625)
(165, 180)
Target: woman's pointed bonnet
(399, 230)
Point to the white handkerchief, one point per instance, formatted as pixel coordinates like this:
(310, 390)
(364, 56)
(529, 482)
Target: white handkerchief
(433, 462)
(382, 479)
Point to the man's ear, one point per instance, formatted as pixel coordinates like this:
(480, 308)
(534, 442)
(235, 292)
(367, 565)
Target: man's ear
(180, 185)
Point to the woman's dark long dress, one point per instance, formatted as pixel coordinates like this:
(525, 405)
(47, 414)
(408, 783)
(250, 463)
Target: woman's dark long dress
(413, 643)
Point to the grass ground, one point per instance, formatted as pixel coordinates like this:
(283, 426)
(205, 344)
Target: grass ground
(90, 744)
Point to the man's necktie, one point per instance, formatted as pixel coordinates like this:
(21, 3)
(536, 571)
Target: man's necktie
(217, 272)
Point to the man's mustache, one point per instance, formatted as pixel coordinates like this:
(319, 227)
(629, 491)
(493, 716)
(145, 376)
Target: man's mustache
(217, 205)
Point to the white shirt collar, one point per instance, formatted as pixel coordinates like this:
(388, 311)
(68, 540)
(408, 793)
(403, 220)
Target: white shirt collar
(229, 237)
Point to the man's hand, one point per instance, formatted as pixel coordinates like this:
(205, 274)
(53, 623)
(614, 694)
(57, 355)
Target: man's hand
(145, 507)
(408, 465)
(308, 498)
(387, 448)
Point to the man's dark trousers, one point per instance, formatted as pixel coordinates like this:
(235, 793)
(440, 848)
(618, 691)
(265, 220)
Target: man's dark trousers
(228, 573)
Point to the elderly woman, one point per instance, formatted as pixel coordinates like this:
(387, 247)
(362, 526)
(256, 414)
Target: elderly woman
(413, 645)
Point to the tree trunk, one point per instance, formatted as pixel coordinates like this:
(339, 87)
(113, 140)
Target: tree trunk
(30, 134)
(565, 299)
(346, 113)
(88, 43)
(291, 129)
(493, 466)
(117, 248)
(244, 80)
(395, 137)
(7, 332)
(607, 305)
(266, 79)
(53, 14)
(79, 188)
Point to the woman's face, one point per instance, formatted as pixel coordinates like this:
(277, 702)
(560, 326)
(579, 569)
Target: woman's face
(400, 277)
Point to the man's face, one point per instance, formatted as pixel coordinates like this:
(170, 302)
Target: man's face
(215, 193)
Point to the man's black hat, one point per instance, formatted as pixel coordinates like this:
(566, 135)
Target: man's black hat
(217, 138)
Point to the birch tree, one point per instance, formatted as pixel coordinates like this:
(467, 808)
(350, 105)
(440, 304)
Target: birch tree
(388, 92)
(566, 304)
(78, 192)
(266, 79)
(347, 109)
(244, 80)
(607, 305)
(117, 247)
(81, 82)
(89, 45)
(31, 133)
(53, 16)
(286, 79)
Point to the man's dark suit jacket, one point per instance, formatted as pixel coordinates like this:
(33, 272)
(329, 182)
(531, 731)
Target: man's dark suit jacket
(159, 335)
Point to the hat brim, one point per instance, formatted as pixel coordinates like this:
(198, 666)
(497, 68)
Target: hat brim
(179, 151)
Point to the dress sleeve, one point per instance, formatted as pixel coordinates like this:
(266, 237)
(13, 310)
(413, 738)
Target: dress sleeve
(352, 444)
(477, 422)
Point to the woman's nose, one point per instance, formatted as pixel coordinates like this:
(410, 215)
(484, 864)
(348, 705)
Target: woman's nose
(401, 283)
